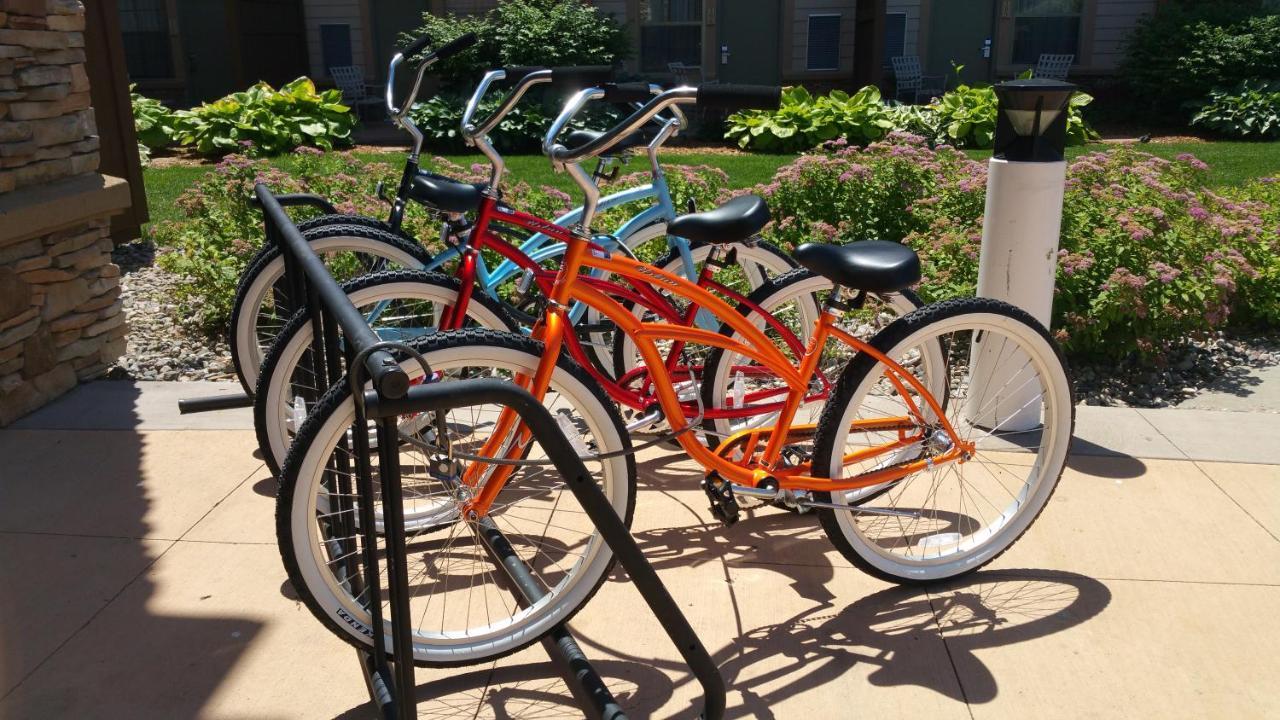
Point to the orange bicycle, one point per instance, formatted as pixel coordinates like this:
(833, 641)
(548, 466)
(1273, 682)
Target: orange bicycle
(937, 445)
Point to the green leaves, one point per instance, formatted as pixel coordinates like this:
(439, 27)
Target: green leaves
(964, 117)
(525, 32)
(803, 121)
(266, 121)
(1250, 110)
(155, 124)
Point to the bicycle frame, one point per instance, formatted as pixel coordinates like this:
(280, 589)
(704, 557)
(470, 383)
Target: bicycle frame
(554, 330)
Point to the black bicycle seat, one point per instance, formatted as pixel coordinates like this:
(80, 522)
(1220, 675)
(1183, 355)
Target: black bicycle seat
(639, 138)
(876, 266)
(736, 220)
(448, 195)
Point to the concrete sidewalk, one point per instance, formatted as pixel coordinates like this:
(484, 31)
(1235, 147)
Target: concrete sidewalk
(143, 580)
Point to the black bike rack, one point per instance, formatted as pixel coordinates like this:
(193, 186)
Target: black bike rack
(392, 684)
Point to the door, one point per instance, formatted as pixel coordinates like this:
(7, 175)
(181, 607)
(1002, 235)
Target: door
(747, 49)
(961, 32)
(273, 43)
(390, 19)
(203, 25)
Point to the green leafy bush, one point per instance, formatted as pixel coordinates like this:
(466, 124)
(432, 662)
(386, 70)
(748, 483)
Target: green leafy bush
(964, 117)
(266, 121)
(803, 121)
(1148, 253)
(155, 124)
(1176, 56)
(1251, 110)
(526, 32)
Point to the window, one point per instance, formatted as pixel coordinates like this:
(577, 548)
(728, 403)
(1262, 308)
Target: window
(1045, 26)
(335, 45)
(144, 26)
(670, 32)
(824, 42)
(895, 37)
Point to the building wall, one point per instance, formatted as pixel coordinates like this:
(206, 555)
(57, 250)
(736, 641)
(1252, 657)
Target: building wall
(799, 46)
(1113, 21)
(332, 12)
(60, 313)
(910, 8)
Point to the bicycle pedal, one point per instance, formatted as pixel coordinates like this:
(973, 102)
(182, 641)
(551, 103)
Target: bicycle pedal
(723, 504)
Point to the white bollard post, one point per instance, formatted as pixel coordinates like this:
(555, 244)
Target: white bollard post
(1018, 261)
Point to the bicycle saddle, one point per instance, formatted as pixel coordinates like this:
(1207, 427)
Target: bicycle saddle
(448, 195)
(736, 220)
(877, 266)
(639, 138)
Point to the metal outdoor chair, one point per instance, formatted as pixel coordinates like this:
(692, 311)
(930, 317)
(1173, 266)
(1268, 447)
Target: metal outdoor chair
(910, 79)
(355, 93)
(686, 74)
(1054, 67)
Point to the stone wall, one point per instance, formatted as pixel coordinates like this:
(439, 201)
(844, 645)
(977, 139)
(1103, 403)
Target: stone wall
(60, 314)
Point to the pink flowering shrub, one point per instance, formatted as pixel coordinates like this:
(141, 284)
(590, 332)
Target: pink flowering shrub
(1148, 253)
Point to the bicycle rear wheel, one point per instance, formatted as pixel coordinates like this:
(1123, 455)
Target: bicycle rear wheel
(1007, 392)
(398, 305)
(262, 304)
(464, 611)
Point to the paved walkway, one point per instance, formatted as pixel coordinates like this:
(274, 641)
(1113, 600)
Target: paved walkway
(142, 580)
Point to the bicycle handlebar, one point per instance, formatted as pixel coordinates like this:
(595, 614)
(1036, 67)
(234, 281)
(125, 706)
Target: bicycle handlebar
(416, 46)
(445, 51)
(738, 97)
(523, 78)
(628, 93)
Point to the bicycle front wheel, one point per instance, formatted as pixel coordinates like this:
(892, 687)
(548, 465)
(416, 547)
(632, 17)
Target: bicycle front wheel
(1007, 392)
(462, 608)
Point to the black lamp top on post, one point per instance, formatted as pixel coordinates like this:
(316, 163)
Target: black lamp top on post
(1032, 120)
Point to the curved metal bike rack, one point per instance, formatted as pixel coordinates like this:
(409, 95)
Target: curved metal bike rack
(392, 684)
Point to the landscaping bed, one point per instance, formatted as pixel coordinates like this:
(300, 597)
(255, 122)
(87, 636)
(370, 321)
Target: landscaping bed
(1151, 320)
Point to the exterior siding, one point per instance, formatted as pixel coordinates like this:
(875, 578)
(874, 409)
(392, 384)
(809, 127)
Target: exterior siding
(334, 12)
(1113, 22)
(800, 34)
(911, 38)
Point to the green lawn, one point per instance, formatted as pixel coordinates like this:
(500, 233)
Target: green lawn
(1230, 163)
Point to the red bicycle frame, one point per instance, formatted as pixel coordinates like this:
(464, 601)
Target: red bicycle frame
(621, 390)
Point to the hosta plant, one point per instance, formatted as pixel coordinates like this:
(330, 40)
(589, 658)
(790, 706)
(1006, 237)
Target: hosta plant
(266, 121)
(1250, 110)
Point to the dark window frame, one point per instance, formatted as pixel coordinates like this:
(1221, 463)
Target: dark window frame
(889, 24)
(828, 46)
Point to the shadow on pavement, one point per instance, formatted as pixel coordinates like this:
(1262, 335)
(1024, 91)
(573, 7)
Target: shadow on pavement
(85, 630)
(531, 690)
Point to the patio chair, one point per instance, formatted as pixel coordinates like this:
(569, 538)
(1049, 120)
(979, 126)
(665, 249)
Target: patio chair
(686, 74)
(1053, 67)
(910, 79)
(355, 93)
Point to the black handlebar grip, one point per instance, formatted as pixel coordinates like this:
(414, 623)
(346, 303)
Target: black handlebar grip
(455, 46)
(581, 76)
(519, 72)
(627, 93)
(416, 46)
(740, 97)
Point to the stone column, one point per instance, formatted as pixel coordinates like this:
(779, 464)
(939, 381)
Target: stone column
(60, 314)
